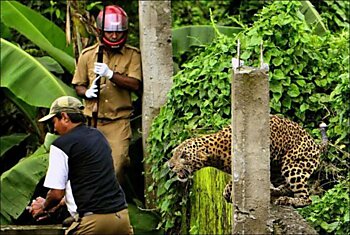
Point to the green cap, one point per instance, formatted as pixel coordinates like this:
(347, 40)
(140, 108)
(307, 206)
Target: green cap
(66, 104)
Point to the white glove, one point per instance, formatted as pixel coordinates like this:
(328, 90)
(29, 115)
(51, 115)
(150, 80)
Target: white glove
(92, 91)
(103, 70)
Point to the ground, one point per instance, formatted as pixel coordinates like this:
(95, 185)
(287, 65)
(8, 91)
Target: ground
(287, 221)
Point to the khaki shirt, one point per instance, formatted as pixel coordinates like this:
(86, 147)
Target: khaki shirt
(115, 102)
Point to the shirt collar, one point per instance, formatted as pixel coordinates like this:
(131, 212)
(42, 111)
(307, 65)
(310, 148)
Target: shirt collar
(121, 51)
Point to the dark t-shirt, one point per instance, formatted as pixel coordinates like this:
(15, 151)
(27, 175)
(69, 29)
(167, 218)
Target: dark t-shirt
(90, 171)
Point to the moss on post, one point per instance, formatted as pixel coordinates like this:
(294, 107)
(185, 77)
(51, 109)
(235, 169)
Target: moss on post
(208, 210)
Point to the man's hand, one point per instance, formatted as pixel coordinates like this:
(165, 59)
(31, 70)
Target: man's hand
(41, 207)
(103, 70)
(92, 91)
(37, 209)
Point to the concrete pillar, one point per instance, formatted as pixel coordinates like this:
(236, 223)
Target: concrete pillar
(157, 67)
(251, 153)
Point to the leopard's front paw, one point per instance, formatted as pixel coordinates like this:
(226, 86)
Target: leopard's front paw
(228, 193)
(290, 201)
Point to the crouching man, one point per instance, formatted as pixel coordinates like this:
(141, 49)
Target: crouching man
(81, 173)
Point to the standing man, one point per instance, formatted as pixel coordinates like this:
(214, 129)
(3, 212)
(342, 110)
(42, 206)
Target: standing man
(80, 170)
(119, 74)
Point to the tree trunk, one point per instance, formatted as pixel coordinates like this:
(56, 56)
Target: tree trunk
(157, 68)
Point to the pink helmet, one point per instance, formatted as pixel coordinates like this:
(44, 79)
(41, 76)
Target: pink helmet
(116, 20)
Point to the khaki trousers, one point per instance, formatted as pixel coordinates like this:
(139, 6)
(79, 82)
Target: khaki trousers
(113, 223)
(118, 134)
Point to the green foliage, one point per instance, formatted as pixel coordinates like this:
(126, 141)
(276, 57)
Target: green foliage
(309, 75)
(183, 38)
(9, 141)
(44, 33)
(55, 11)
(143, 222)
(29, 73)
(26, 85)
(313, 18)
(309, 81)
(17, 109)
(197, 12)
(228, 12)
(200, 98)
(330, 213)
(18, 183)
(334, 13)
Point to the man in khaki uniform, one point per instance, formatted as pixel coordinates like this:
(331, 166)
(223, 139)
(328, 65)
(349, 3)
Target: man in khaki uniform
(119, 74)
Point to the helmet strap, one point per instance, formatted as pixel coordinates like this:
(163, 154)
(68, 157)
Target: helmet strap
(114, 45)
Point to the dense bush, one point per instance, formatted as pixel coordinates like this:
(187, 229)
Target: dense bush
(334, 13)
(227, 12)
(309, 81)
(330, 213)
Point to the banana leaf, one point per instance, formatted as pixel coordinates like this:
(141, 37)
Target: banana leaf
(5, 31)
(28, 111)
(50, 64)
(144, 222)
(9, 141)
(312, 17)
(42, 32)
(28, 79)
(196, 35)
(18, 184)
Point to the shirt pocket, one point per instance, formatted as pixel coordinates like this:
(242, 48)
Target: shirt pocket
(121, 69)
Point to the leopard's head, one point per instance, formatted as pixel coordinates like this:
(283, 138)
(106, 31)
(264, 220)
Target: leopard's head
(186, 158)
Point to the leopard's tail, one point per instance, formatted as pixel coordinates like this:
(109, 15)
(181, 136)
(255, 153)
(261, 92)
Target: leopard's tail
(324, 143)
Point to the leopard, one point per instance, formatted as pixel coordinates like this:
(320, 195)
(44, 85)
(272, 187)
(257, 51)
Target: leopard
(291, 147)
